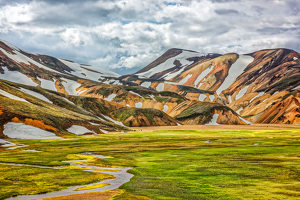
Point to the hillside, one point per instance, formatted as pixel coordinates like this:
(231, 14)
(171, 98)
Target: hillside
(248, 84)
(62, 97)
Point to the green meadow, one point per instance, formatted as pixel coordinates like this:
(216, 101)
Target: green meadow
(167, 164)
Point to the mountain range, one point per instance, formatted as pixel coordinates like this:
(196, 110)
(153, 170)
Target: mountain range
(53, 97)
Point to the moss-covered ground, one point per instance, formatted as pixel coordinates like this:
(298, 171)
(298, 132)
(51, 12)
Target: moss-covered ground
(168, 164)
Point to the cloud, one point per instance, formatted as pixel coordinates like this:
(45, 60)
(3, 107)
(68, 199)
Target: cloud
(131, 33)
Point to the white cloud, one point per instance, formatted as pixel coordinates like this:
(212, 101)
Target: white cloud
(131, 33)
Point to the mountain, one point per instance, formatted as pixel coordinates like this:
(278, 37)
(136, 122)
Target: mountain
(249, 84)
(53, 97)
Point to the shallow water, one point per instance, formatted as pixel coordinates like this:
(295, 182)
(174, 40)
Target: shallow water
(121, 177)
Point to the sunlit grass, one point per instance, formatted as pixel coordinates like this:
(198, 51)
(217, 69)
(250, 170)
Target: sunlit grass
(177, 164)
(89, 187)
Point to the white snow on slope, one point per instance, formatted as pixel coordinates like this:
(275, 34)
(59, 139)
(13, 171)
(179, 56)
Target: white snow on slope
(16, 77)
(160, 87)
(68, 101)
(169, 63)
(152, 97)
(297, 87)
(10, 45)
(79, 130)
(295, 58)
(139, 105)
(21, 58)
(79, 71)
(239, 110)
(202, 75)
(136, 94)
(247, 122)
(110, 97)
(70, 86)
(214, 120)
(242, 92)
(211, 97)
(185, 79)
(50, 85)
(23, 131)
(117, 82)
(4, 143)
(35, 94)
(11, 96)
(114, 121)
(166, 108)
(235, 70)
(146, 84)
(202, 97)
(171, 75)
(258, 95)
(103, 131)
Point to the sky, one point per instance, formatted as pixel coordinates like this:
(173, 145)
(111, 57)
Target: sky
(126, 35)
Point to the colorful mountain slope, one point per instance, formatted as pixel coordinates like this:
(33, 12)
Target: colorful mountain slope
(245, 83)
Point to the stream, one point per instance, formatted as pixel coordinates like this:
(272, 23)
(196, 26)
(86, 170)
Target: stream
(121, 177)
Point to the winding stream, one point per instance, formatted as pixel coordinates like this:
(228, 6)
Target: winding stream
(121, 177)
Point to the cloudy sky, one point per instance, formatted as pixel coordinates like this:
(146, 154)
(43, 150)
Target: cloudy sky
(125, 35)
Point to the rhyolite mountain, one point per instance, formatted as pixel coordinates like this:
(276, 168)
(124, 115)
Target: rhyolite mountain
(57, 97)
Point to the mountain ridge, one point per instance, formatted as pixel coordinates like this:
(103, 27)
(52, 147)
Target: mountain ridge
(179, 87)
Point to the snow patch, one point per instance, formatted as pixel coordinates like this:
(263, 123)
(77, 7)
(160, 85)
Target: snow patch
(166, 108)
(17, 77)
(68, 101)
(79, 130)
(32, 150)
(211, 97)
(11, 96)
(135, 94)
(202, 75)
(239, 110)
(214, 119)
(70, 86)
(110, 97)
(235, 70)
(202, 97)
(23, 131)
(152, 97)
(229, 99)
(160, 87)
(185, 79)
(247, 122)
(83, 72)
(169, 63)
(242, 92)
(297, 87)
(35, 94)
(146, 84)
(258, 95)
(114, 121)
(171, 75)
(295, 58)
(50, 85)
(103, 131)
(21, 58)
(4, 143)
(139, 105)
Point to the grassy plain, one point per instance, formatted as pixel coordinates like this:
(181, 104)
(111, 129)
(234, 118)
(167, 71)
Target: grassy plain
(168, 164)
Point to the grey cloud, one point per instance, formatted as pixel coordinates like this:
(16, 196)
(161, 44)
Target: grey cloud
(130, 34)
(226, 11)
